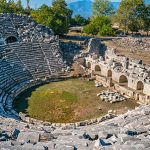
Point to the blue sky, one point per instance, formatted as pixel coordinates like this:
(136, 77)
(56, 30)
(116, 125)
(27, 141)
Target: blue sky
(37, 3)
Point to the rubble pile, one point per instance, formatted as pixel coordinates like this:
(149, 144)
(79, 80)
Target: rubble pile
(70, 50)
(97, 84)
(110, 96)
(133, 44)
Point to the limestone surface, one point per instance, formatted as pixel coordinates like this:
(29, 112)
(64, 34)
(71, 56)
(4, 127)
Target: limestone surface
(128, 131)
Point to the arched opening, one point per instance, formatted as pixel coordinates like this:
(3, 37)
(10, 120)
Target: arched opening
(89, 65)
(97, 70)
(11, 39)
(123, 79)
(140, 86)
(109, 73)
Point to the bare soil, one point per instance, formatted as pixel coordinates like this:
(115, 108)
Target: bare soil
(142, 55)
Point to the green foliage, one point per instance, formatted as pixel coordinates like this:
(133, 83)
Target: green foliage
(146, 19)
(102, 7)
(133, 15)
(98, 26)
(57, 17)
(106, 30)
(60, 17)
(42, 15)
(78, 20)
(11, 7)
(90, 29)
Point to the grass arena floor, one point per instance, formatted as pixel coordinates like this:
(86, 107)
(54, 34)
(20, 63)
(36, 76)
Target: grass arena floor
(67, 101)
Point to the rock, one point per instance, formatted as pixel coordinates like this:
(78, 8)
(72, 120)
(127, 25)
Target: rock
(131, 133)
(86, 136)
(3, 138)
(94, 46)
(15, 133)
(103, 134)
(146, 112)
(29, 146)
(112, 97)
(22, 116)
(102, 142)
(31, 137)
(47, 137)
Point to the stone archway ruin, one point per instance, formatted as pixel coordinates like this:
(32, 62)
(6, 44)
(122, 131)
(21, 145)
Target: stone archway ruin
(123, 79)
(89, 65)
(140, 86)
(97, 70)
(109, 73)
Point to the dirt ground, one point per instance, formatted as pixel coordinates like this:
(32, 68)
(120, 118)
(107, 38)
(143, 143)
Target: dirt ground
(143, 55)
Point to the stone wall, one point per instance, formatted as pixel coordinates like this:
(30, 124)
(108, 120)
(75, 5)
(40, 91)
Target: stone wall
(132, 74)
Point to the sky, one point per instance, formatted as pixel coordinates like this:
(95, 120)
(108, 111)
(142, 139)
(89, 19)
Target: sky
(37, 3)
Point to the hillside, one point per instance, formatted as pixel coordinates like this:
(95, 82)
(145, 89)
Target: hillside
(84, 7)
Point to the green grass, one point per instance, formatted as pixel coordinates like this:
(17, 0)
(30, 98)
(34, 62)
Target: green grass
(65, 101)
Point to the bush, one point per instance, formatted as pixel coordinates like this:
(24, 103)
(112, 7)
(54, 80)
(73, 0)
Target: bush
(106, 30)
(90, 29)
(100, 25)
(78, 20)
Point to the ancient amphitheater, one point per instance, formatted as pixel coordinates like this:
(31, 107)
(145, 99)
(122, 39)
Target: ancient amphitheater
(30, 55)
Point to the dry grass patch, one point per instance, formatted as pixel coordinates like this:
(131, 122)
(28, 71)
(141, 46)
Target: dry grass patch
(66, 101)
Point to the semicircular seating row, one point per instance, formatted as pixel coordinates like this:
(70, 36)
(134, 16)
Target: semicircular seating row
(23, 65)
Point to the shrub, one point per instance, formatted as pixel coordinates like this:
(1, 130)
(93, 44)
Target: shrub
(106, 30)
(100, 25)
(90, 29)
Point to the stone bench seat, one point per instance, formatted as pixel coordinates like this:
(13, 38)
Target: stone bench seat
(2, 111)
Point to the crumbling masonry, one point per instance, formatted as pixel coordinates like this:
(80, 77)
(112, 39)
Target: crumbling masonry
(129, 77)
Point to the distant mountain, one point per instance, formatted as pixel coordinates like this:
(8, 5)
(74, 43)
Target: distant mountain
(84, 7)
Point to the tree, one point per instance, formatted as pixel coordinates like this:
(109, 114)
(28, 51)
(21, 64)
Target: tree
(42, 15)
(57, 17)
(129, 14)
(60, 18)
(3, 6)
(90, 29)
(146, 19)
(78, 20)
(102, 7)
(98, 26)
(11, 7)
(19, 6)
(106, 30)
